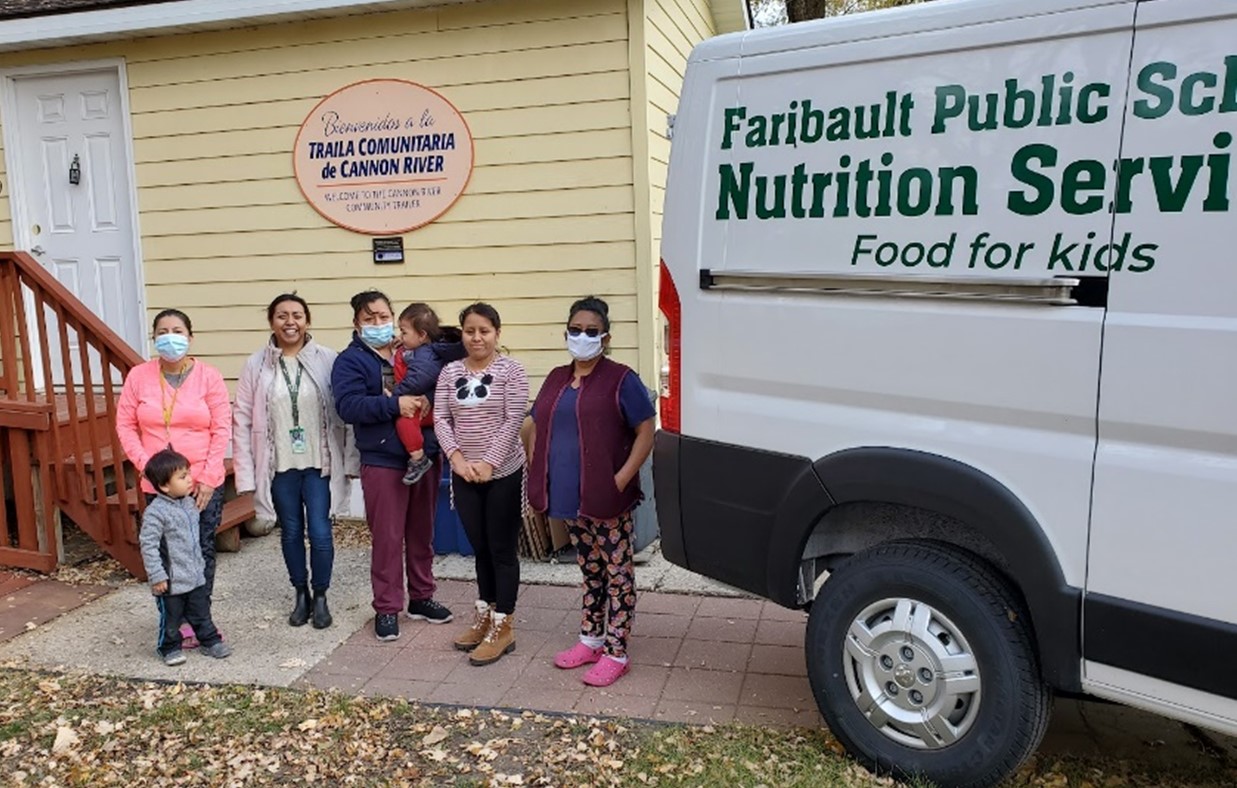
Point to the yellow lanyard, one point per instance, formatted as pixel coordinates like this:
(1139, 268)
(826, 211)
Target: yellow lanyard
(168, 408)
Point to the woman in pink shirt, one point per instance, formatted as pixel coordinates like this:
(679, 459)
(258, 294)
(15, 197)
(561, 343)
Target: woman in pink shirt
(176, 401)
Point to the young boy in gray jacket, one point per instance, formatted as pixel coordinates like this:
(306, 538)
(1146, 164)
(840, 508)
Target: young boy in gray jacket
(172, 553)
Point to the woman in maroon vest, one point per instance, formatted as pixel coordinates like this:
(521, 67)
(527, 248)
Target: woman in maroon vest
(592, 430)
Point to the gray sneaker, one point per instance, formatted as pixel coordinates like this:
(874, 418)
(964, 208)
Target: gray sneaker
(218, 651)
(417, 469)
(174, 658)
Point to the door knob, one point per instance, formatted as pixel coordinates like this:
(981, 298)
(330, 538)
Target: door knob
(37, 251)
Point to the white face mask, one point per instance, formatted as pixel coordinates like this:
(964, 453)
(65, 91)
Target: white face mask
(582, 347)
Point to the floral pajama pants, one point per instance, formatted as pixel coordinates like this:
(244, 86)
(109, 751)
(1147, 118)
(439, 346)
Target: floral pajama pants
(604, 551)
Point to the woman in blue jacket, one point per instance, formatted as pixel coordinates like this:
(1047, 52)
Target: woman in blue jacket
(400, 517)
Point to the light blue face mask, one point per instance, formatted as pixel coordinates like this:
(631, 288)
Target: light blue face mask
(378, 336)
(172, 347)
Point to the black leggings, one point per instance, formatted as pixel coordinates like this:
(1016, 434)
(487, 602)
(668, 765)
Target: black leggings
(491, 515)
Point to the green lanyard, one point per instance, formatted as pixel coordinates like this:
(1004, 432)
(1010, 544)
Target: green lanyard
(293, 390)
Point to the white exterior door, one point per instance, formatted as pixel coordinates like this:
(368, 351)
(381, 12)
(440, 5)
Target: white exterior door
(84, 232)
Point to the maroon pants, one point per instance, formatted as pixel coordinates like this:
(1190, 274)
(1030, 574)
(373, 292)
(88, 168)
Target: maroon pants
(401, 528)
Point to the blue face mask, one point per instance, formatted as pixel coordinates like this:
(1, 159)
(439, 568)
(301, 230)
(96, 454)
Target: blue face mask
(172, 347)
(378, 336)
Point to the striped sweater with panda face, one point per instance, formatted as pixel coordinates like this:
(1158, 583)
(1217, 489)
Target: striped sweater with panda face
(479, 414)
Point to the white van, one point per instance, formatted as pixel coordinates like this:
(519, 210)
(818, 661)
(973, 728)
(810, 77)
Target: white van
(951, 302)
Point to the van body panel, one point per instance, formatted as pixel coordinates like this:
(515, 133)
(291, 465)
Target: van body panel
(1151, 640)
(995, 233)
(750, 500)
(666, 462)
(1162, 532)
(893, 23)
(1188, 705)
(837, 372)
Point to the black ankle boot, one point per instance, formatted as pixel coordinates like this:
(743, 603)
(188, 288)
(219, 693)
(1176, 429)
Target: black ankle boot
(300, 613)
(322, 614)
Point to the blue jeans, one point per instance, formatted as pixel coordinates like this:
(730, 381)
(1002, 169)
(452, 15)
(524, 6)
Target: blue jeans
(302, 501)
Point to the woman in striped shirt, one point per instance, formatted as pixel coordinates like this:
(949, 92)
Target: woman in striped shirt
(478, 411)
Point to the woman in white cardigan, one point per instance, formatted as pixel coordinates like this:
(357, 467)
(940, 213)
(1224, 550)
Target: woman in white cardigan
(292, 450)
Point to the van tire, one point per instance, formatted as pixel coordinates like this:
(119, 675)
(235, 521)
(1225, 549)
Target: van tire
(1001, 706)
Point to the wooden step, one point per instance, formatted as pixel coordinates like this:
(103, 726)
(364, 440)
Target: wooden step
(104, 454)
(80, 408)
(236, 511)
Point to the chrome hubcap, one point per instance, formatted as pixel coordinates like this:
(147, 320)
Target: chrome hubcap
(912, 673)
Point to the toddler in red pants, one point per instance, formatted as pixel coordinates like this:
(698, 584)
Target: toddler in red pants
(426, 349)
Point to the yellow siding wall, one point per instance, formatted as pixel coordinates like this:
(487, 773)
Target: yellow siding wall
(728, 15)
(547, 217)
(6, 223)
(674, 27)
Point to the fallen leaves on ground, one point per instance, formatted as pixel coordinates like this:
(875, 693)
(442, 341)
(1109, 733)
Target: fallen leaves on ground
(350, 532)
(101, 570)
(81, 730)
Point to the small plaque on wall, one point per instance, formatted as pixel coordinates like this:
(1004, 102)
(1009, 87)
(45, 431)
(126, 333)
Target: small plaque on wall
(389, 250)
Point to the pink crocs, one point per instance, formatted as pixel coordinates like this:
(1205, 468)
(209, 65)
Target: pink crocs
(188, 639)
(577, 655)
(607, 671)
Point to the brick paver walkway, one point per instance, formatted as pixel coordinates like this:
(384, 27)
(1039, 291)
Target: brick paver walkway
(12, 581)
(27, 602)
(694, 659)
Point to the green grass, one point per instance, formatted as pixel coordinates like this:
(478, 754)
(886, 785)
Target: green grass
(743, 755)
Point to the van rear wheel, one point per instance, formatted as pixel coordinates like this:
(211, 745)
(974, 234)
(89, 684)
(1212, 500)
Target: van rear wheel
(921, 661)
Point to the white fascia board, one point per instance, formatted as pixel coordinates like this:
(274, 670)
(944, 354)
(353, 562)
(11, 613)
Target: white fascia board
(145, 20)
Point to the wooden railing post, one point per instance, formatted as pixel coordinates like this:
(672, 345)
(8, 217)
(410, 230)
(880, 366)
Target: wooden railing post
(9, 290)
(48, 450)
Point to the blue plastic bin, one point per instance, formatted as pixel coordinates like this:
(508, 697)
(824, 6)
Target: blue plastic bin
(449, 536)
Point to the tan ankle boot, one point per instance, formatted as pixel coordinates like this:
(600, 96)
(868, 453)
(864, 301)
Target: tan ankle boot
(472, 637)
(498, 641)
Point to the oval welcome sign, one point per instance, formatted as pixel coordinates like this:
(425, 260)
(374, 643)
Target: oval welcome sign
(383, 156)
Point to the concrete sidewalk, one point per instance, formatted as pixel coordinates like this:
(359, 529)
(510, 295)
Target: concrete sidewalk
(700, 652)
(115, 634)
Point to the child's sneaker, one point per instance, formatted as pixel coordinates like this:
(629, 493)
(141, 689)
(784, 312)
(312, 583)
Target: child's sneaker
(218, 651)
(173, 658)
(417, 469)
(187, 637)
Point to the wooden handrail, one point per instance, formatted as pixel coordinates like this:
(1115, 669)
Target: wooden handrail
(125, 356)
(74, 454)
(59, 427)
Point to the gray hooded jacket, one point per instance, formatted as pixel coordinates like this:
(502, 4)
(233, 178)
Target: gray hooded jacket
(171, 544)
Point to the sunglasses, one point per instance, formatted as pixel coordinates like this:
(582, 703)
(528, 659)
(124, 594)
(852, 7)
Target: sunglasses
(576, 331)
